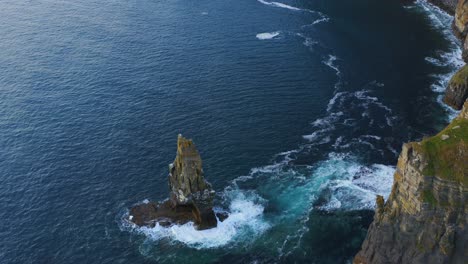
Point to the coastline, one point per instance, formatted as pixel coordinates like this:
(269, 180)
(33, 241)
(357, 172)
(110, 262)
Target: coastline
(424, 218)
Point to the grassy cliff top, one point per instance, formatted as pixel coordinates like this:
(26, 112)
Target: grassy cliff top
(461, 77)
(447, 152)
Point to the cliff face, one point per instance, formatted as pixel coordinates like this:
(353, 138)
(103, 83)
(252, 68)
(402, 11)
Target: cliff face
(424, 219)
(188, 186)
(457, 90)
(186, 179)
(460, 25)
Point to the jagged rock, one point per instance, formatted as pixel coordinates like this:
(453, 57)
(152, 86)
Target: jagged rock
(424, 219)
(461, 19)
(188, 186)
(460, 26)
(447, 5)
(457, 90)
(191, 196)
(186, 179)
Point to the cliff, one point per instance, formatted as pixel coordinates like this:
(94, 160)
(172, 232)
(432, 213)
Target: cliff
(424, 219)
(460, 25)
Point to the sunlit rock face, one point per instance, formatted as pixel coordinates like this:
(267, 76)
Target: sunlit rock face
(188, 185)
(424, 219)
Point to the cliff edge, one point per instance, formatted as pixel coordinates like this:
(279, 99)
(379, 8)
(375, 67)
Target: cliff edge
(424, 219)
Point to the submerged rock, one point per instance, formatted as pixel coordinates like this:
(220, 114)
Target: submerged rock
(191, 196)
(457, 90)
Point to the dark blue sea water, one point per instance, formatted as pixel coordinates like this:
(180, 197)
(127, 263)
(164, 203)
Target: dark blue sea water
(299, 109)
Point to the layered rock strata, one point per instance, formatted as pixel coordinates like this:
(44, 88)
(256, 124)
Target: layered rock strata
(460, 25)
(424, 219)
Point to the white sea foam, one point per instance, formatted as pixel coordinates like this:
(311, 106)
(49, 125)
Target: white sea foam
(245, 219)
(451, 59)
(331, 62)
(308, 42)
(267, 35)
(354, 186)
(281, 5)
(321, 20)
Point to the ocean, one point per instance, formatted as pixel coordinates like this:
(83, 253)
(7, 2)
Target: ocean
(299, 110)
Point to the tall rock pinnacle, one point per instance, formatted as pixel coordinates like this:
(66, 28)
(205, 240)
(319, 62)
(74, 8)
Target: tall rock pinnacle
(191, 196)
(186, 179)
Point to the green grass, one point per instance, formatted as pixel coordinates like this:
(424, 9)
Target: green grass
(448, 159)
(428, 197)
(460, 77)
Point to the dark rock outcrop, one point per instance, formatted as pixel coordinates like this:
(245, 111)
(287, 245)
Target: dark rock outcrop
(457, 90)
(424, 219)
(460, 26)
(191, 196)
(447, 5)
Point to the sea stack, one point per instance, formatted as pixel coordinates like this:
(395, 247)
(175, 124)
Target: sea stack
(191, 196)
(188, 186)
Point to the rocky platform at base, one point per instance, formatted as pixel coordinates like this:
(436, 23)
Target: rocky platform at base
(190, 199)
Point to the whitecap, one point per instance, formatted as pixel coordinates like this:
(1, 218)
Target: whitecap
(451, 59)
(281, 5)
(245, 221)
(267, 35)
(353, 186)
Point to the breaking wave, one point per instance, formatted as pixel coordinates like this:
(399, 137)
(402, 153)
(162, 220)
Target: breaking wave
(451, 59)
(245, 220)
(280, 197)
(267, 35)
(281, 5)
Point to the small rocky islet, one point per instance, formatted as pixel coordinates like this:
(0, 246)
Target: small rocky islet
(190, 199)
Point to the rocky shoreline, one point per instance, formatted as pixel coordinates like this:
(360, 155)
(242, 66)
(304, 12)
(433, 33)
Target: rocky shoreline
(424, 219)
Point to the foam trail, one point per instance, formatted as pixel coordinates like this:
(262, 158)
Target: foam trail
(451, 59)
(267, 35)
(331, 62)
(281, 5)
